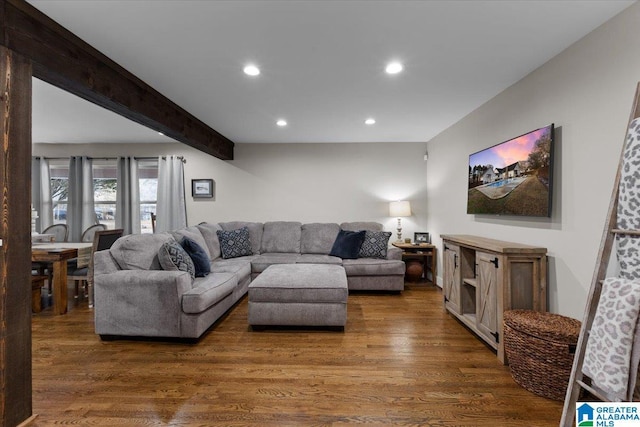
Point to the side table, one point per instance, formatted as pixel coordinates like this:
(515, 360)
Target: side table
(416, 257)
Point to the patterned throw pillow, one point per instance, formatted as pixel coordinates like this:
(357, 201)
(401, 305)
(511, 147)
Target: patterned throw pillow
(375, 244)
(173, 257)
(234, 243)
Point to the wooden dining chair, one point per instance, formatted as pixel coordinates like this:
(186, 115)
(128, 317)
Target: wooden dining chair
(83, 276)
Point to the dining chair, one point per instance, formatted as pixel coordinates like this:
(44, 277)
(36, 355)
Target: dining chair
(102, 240)
(60, 232)
(153, 222)
(87, 235)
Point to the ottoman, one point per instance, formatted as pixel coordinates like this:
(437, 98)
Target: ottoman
(299, 295)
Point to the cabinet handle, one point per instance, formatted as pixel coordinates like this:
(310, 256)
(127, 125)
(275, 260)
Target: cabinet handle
(496, 335)
(455, 261)
(494, 261)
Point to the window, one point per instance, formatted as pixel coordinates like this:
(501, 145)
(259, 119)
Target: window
(148, 180)
(105, 185)
(59, 179)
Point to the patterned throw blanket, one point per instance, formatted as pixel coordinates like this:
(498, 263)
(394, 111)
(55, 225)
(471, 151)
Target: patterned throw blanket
(610, 346)
(613, 348)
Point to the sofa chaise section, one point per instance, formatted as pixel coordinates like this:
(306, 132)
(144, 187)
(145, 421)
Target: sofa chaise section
(135, 297)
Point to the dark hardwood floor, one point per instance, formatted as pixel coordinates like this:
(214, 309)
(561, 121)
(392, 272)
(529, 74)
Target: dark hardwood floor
(400, 361)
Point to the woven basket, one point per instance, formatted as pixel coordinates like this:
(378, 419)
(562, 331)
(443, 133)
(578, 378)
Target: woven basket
(540, 348)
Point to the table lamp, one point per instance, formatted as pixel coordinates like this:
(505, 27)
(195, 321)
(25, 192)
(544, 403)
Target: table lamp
(400, 209)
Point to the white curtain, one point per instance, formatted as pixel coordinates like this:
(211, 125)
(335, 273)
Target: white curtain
(41, 192)
(171, 210)
(80, 210)
(128, 196)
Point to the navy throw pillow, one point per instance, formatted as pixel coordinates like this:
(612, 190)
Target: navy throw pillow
(234, 243)
(347, 244)
(198, 255)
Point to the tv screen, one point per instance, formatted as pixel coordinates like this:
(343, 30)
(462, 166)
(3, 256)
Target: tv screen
(513, 177)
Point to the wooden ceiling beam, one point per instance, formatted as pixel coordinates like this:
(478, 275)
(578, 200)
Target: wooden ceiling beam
(64, 60)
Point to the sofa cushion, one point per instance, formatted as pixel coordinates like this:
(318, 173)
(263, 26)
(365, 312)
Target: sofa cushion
(234, 243)
(260, 263)
(318, 259)
(357, 226)
(198, 255)
(208, 291)
(347, 244)
(211, 238)
(318, 238)
(139, 251)
(375, 244)
(255, 232)
(373, 267)
(281, 236)
(241, 266)
(194, 234)
(173, 257)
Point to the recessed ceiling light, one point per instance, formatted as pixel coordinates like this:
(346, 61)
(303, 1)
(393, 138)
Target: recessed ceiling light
(394, 68)
(370, 121)
(281, 122)
(251, 70)
(160, 133)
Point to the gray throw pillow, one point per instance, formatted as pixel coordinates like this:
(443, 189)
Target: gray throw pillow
(375, 244)
(173, 257)
(234, 243)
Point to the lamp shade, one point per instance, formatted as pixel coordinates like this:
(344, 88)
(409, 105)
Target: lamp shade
(400, 208)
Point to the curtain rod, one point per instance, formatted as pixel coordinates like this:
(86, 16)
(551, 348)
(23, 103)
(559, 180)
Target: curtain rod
(110, 158)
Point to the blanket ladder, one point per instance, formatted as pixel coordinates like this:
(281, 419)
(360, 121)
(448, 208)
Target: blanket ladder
(576, 381)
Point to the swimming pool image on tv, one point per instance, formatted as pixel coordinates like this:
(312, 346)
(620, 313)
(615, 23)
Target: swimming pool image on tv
(499, 189)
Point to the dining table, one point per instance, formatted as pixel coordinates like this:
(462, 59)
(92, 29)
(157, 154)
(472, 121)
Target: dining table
(57, 255)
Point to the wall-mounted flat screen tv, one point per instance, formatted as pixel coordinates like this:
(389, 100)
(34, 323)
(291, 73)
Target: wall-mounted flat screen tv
(513, 177)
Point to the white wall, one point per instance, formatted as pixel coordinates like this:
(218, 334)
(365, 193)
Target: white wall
(587, 91)
(298, 182)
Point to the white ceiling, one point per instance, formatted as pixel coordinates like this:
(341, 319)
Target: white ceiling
(322, 63)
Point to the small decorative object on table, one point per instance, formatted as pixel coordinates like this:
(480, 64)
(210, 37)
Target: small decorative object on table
(202, 188)
(421, 237)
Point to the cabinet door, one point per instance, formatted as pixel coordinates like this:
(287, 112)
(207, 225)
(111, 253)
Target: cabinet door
(451, 277)
(486, 299)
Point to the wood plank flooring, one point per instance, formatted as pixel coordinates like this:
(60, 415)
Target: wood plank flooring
(401, 361)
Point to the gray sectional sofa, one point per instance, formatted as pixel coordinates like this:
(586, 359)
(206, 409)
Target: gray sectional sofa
(135, 296)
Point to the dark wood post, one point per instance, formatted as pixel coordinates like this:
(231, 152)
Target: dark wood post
(15, 231)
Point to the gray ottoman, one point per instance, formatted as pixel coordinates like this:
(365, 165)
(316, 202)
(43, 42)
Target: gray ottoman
(299, 295)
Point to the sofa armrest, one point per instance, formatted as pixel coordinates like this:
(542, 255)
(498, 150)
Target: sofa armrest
(140, 302)
(394, 253)
(104, 262)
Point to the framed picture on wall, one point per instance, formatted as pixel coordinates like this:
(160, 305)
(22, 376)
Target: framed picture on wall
(421, 237)
(202, 188)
